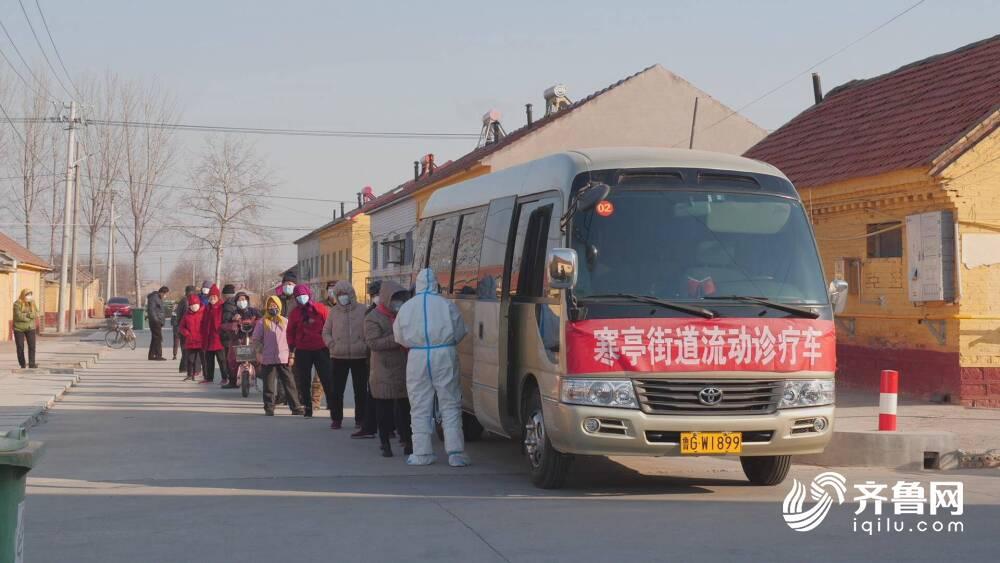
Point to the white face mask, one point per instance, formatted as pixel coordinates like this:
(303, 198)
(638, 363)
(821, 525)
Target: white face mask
(375, 300)
(195, 308)
(242, 304)
(344, 299)
(331, 293)
(302, 299)
(29, 298)
(204, 291)
(288, 289)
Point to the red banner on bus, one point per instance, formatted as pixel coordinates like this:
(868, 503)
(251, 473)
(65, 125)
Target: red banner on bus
(694, 345)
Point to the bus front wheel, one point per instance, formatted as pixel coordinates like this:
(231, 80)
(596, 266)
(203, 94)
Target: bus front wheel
(548, 467)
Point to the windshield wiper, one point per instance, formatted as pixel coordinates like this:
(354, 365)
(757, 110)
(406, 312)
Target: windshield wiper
(797, 311)
(689, 309)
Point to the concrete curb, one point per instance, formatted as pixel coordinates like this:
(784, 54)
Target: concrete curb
(56, 384)
(897, 450)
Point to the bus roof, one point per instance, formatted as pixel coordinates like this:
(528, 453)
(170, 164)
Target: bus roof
(557, 172)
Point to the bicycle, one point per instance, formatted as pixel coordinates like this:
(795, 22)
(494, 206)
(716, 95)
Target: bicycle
(246, 355)
(119, 333)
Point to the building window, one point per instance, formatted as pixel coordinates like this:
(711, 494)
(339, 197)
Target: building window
(394, 251)
(885, 240)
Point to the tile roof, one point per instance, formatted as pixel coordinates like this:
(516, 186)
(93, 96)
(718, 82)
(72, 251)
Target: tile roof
(903, 119)
(20, 253)
(472, 158)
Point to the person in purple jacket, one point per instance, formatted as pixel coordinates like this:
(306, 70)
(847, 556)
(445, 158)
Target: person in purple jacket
(269, 337)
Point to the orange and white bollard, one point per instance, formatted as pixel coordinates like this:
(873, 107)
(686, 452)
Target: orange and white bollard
(888, 391)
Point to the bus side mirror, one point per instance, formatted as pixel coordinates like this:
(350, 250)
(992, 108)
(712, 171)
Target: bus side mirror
(838, 295)
(561, 267)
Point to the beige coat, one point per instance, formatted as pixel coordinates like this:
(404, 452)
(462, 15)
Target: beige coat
(344, 330)
(388, 361)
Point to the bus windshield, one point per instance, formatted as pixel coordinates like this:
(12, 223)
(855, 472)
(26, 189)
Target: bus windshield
(697, 245)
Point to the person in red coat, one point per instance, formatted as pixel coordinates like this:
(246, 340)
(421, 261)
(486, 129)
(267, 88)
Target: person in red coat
(211, 329)
(190, 329)
(307, 350)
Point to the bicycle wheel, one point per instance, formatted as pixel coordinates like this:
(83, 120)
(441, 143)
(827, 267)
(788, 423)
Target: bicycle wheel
(114, 339)
(244, 375)
(130, 336)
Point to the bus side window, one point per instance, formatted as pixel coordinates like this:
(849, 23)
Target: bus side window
(442, 252)
(470, 244)
(527, 278)
(421, 245)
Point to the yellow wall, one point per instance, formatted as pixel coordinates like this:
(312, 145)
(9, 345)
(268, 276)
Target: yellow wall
(973, 182)
(353, 238)
(879, 306)
(9, 292)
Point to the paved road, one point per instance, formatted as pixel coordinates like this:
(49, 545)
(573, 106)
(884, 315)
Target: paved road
(143, 467)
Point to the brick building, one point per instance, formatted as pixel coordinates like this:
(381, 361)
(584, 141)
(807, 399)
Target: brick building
(901, 177)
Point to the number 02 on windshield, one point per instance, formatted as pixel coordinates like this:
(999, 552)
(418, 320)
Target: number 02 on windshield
(711, 442)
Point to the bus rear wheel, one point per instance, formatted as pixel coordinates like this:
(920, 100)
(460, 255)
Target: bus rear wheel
(768, 470)
(547, 466)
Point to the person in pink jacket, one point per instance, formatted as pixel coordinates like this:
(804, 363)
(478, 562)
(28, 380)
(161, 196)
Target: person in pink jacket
(270, 337)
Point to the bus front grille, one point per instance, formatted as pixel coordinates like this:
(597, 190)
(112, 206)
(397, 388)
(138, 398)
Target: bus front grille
(681, 396)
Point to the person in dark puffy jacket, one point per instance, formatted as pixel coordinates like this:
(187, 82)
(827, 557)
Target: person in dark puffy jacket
(307, 350)
(232, 321)
(157, 318)
(388, 369)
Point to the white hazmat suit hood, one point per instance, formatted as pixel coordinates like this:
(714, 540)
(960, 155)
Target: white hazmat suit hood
(430, 326)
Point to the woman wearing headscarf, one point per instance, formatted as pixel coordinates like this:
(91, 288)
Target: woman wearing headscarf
(307, 350)
(232, 320)
(388, 369)
(211, 328)
(25, 323)
(270, 336)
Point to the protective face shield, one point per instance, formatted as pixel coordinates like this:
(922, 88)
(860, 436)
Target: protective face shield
(344, 299)
(194, 308)
(302, 299)
(273, 312)
(213, 299)
(288, 289)
(242, 303)
(204, 290)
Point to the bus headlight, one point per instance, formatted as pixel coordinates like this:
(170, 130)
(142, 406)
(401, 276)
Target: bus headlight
(615, 393)
(807, 393)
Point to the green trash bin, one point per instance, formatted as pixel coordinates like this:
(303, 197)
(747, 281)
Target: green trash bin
(17, 457)
(138, 318)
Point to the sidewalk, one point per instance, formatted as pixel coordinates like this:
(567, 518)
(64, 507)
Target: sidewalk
(26, 394)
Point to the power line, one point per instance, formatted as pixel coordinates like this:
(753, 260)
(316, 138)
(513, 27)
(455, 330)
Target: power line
(17, 51)
(48, 32)
(278, 131)
(45, 55)
(800, 74)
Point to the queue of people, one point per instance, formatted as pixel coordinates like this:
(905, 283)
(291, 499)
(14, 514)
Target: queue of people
(399, 353)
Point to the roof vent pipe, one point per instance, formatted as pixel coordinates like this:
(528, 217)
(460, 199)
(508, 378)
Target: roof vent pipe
(817, 88)
(341, 209)
(416, 170)
(359, 199)
(527, 111)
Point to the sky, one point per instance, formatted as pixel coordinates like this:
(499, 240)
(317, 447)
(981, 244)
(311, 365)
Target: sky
(439, 66)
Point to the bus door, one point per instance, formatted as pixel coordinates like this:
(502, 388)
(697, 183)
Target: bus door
(489, 331)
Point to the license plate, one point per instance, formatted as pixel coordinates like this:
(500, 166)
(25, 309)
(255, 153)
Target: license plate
(711, 442)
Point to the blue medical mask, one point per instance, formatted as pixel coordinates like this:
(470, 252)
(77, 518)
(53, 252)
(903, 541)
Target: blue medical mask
(344, 299)
(302, 299)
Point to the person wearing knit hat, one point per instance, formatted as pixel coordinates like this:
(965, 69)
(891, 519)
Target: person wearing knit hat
(211, 330)
(206, 286)
(190, 329)
(308, 350)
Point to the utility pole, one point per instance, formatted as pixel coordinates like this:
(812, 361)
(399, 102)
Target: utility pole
(111, 253)
(68, 220)
(72, 255)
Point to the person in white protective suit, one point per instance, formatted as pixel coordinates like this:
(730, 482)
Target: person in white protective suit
(430, 326)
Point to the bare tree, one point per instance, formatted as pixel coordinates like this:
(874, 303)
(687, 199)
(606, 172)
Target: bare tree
(27, 161)
(148, 154)
(54, 181)
(232, 178)
(104, 163)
